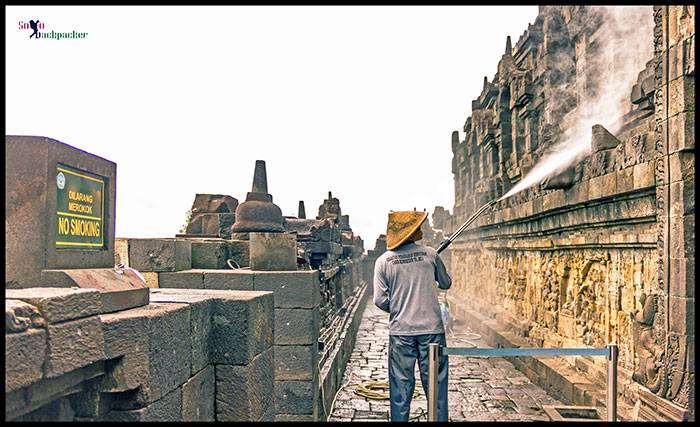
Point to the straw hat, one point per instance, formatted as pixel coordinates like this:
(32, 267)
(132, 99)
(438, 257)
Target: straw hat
(401, 226)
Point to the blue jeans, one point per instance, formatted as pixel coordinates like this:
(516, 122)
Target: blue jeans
(403, 352)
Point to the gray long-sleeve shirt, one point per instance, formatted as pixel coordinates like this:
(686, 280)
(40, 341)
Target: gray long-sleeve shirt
(404, 287)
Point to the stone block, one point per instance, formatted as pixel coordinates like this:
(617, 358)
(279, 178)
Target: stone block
(681, 132)
(298, 289)
(682, 166)
(186, 279)
(682, 197)
(73, 344)
(681, 96)
(609, 184)
(124, 332)
(643, 175)
(273, 252)
(209, 254)
(200, 320)
(625, 180)
(168, 408)
(238, 280)
(170, 348)
(241, 327)
(126, 373)
(595, 188)
(198, 395)
(152, 254)
(119, 290)
(246, 392)
(151, 279)
(239, 251)
(682, 315)
(121, 251)
(296, 397)
(25, 353)
(126, 341)
(218, 224)
(682, 244)
(296, 362)
(183, 254)
(682, 278)
(59, 304)
(296, 326)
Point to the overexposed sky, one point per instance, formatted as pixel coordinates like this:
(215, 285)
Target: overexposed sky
(360, 101)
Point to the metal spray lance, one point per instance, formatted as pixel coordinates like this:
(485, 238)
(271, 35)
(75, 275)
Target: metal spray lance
(445, 243)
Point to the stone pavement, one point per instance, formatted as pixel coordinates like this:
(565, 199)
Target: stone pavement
(480, 389)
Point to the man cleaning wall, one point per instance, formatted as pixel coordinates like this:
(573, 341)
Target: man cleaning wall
(404, 287)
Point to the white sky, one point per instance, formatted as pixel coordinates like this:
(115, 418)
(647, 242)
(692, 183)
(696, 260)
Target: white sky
(360, 101)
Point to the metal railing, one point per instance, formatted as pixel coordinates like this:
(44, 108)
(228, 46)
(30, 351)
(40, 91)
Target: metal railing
(610, 352)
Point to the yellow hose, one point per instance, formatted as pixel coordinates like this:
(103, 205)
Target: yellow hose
(369, 389)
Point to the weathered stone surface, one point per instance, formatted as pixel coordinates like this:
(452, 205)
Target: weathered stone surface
(201, 321)
(152, 254)
(126, 373)
(73, 344)
(168, 408)
(296, 397)
(187, 279)
(209, 254)
(183, 254)
(239, 280)
(246, 392)
(273, 252)
(239, 251)
(242, 327)
(59, 304)
(298, 289)
(296, 326)
(24, 358)
(151, 279)
(119, 289)
(198, 395)
(296, 362)
(121, 251)
(48, 390)
(124, 332)
(170, 348)
(59, 410)
(20, 316)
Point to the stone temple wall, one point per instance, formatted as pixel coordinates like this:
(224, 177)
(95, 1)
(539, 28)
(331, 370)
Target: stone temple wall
(603, 252)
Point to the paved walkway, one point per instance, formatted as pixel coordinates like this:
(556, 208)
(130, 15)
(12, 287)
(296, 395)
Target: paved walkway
(480, 389)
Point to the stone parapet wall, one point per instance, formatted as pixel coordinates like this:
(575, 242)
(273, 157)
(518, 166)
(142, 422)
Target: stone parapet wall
(296, 299)
(194, 355)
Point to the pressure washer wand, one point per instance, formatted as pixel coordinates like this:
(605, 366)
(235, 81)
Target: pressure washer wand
(445, 243)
